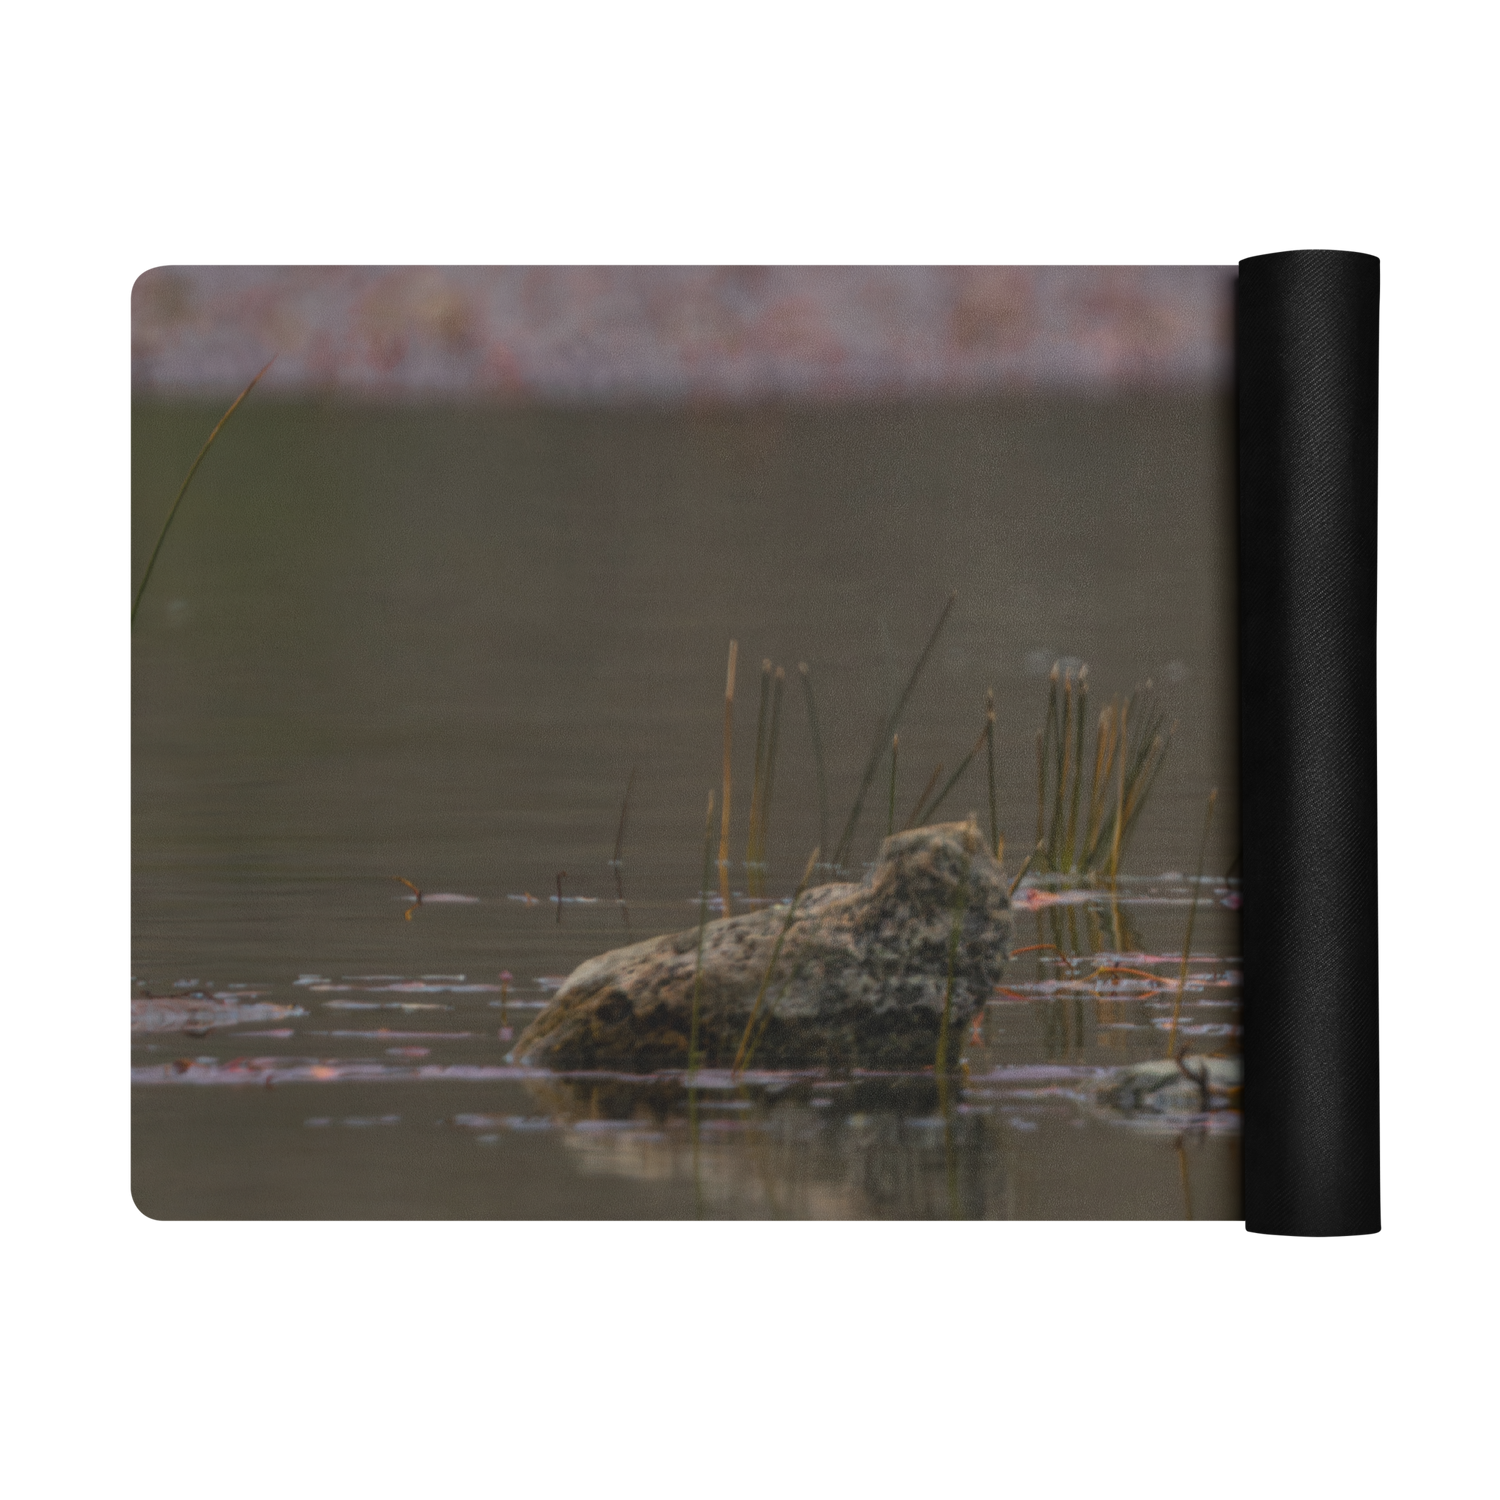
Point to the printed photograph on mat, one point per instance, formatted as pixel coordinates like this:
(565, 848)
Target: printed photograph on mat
(684, 742)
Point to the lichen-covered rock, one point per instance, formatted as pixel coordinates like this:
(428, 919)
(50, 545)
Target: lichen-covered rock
(860, 981)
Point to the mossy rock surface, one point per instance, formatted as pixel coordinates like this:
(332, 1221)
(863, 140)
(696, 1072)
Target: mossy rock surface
(860, 981)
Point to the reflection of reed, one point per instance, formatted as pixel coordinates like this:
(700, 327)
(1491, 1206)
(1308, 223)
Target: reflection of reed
(1187, 947)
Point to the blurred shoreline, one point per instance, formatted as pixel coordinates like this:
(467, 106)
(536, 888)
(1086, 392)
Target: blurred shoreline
(675, 336)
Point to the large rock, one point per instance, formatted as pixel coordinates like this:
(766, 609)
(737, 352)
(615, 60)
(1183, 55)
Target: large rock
(860, 980)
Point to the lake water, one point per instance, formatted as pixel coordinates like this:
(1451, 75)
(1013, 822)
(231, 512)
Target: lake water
(431, 645)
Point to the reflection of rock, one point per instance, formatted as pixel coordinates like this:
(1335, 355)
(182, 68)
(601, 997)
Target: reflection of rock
(832, 1149)
(860, 981)
(194, 1014)
(1190, 1086)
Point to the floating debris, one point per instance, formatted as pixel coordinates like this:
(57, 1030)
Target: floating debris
(158, 1013)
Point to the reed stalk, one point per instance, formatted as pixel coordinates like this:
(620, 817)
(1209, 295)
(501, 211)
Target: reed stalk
(769, 783)
(561, 875)
(1062, 745)
(892, 723)
(1114, 853)
(953, 780)
(1083, 703)
(752, 837)
(996, 842)
(890, 814)
(1041, 786)
(921, 801)
(166, 525)
(817, 744)
(618, 862)
(1021, 873)
(734, 650)
(1187, 947)
(741, 1057)
(960, 906)
(703, 889)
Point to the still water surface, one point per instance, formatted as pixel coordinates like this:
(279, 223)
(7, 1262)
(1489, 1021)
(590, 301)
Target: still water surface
(432, 644)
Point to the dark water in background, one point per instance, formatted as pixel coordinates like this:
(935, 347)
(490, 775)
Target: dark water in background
(433, 644)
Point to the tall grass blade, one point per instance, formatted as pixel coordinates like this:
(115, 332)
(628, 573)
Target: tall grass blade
(846, 838)
(742, 1056)
(703, 889)
(931, 810)
(1021, 873)
(1060, 757)
(769, 780)
(1069, 839)
(618, 862)
(1041, 784)
(996, 843)
(734, 651)
(752, 837)
(890, 813)
(1114, 853)
(817, 744)
(921, 801)
(166, 525)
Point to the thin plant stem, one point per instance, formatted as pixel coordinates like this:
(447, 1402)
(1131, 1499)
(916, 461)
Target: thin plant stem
(989, 741)
(954, 779)
(890, 814)
(1062, 756)
(734, 651)
(1077, 749)
(618, 862)
(846, 838)
(1041, 783)
(1114, 854)
(166, 525)
(921, 801)
(752, 838)
(741, 1057)
(769, 780)
(817, 744)
(1187, 947)
(703, 889)
(1021, 873)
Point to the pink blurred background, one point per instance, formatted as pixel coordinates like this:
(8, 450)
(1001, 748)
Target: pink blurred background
(568, 335)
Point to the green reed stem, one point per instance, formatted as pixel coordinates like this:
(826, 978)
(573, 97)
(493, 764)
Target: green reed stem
(846, 838)
(1077, 788)
(931, 810)
(1021, 873)
(703, 890)
(618, 862)
(742, 1055)
(921, 801)
(989, 741)
(752, 836)
(166, 525)
(817, 744)
(769, 784)
(734, 651)
(890, 813)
